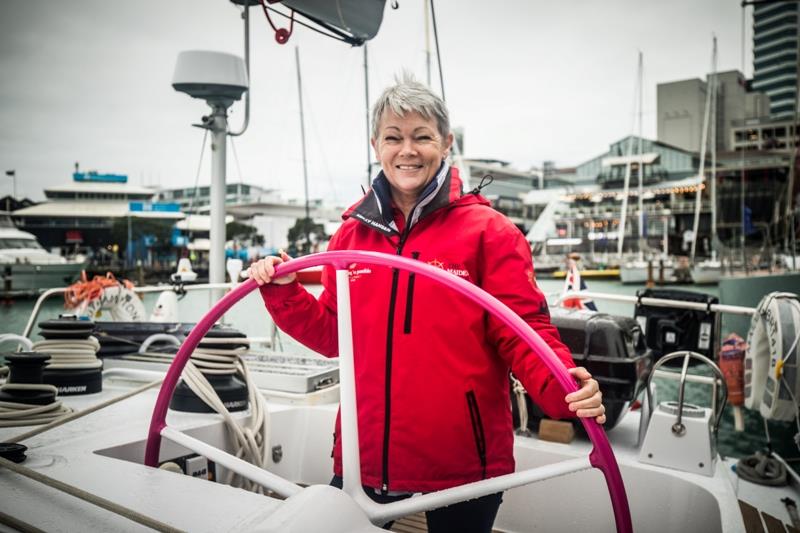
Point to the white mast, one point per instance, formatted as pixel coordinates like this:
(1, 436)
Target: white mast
(710, 87)
(715, 81)
(641, 161)
(626, 186)
(426, 7)
(303, 146)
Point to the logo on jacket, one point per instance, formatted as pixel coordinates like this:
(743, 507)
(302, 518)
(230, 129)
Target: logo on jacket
(355, 272)
(454, 268)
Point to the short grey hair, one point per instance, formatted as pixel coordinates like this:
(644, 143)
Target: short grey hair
(408, 95)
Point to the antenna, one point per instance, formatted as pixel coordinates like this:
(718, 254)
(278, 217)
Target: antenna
(219, 79)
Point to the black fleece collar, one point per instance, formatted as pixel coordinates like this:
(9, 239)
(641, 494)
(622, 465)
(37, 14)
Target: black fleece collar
(375, 210)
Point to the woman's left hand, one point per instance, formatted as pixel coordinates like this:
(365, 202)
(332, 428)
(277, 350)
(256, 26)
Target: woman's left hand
(587, 401)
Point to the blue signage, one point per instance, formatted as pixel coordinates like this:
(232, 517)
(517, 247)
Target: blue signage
(178, 239)
(158, 207)
(93, 176)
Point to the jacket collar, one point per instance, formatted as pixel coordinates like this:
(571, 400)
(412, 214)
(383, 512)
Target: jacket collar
(375, 209)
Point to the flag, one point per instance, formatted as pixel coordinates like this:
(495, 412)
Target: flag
(11, 173)
(573, 282)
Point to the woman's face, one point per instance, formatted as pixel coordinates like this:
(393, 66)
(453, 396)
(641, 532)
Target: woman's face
(410, 150)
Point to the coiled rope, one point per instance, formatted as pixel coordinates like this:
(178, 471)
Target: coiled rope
(15, 414)
(251, 438)
(762, 469)
(70, 354)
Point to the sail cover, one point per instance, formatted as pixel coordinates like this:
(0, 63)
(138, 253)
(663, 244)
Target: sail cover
(359, 19)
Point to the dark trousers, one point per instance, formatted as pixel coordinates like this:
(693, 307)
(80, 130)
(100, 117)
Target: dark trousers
(472, 516)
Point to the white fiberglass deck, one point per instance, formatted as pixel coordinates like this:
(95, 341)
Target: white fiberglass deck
(101, 452)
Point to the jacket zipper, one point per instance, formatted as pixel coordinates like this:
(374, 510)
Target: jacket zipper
(410, 298)
(388, 376)
(477, 429)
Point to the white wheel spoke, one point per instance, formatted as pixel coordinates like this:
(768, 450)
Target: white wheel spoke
(243, 468)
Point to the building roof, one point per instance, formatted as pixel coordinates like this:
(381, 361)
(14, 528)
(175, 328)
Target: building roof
(92, 209)
(100, 188)
(199, 223)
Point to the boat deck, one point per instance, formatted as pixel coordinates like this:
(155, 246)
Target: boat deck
(102, 452)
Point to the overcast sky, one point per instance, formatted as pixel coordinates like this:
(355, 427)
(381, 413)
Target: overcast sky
(90, 81)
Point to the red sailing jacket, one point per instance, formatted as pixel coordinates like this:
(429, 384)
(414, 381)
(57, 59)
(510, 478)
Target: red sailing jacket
(431, 367)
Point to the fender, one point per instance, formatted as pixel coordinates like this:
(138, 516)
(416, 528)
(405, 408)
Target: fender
(771, 380)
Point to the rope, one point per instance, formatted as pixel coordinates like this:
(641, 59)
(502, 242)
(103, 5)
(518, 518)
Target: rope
(250, 439)
(17, 524)
(99, 501)
(80, 414)
(87, 290)
(15, 414)
(762, 469)
(522, 407)
(70, 354)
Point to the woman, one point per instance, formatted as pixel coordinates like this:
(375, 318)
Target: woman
(431, 366)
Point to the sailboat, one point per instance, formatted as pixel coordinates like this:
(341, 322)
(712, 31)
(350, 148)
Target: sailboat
(708, 271)
(637, 269)
(84, 470)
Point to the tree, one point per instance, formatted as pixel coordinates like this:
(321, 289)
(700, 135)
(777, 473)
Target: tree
(241, 232)
(304, 235)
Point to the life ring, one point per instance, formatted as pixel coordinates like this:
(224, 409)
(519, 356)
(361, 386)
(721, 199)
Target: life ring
(104, 293)
(771, 378)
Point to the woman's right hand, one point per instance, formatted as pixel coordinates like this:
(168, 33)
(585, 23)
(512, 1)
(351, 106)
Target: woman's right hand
(263, 270)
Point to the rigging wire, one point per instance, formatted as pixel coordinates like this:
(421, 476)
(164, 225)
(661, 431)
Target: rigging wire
(236, 160)
(438, 52)
(196, 183)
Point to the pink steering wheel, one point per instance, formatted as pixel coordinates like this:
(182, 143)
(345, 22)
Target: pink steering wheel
(601, 456)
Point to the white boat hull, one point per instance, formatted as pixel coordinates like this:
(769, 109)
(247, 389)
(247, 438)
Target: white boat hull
(32, 278)
(638, 274)
(706, 275)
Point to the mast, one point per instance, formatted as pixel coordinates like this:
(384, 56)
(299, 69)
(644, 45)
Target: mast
(641, 161)
(714, 96)
(458, 155)
(366, 108)
(303, 145)
(426, 7)
(626, 186)
(703, 145)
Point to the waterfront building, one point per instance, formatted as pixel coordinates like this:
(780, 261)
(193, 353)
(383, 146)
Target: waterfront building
(588, 212)
(775, 42)
(507, 187)
(762, 134)
(264, 209)
(101, 214)
(681, 110)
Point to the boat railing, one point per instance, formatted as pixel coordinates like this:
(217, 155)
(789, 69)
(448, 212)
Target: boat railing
(46, 295)
(656, 302)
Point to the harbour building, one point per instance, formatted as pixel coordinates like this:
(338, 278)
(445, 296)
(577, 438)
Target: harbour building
(681, 111)
(775, 55)
(586, 215)
(506, 188)
(752, 146)
(102, 215)
(262, 209)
